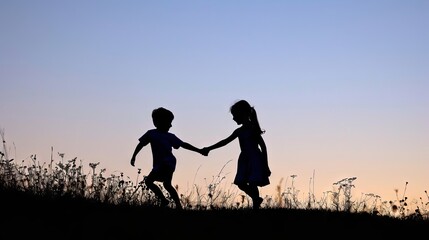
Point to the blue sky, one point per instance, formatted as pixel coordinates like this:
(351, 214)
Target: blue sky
(339, 86)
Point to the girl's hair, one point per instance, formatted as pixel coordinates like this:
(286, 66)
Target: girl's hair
(242, 107)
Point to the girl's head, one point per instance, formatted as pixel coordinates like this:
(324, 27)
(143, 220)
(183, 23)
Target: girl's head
(242, 113)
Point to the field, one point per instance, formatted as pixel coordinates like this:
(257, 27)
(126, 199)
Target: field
(57, 200)
(28, 215)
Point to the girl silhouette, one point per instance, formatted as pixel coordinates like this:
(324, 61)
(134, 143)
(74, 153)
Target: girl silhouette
(252, 166)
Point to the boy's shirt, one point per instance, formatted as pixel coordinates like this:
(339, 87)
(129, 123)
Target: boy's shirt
(161, 144)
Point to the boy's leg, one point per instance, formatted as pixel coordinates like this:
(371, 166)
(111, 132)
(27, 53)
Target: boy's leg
(155, 189)
(173, 194)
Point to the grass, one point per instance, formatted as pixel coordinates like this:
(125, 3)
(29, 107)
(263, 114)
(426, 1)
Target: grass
(29, 215)
(57, 199)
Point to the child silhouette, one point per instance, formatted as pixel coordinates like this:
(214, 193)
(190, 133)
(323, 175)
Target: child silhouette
(252, 165)
(164, 162)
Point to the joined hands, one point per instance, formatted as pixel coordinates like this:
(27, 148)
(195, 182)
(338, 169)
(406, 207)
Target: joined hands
(204, 151)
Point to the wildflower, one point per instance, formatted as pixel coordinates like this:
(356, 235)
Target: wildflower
(93, 165)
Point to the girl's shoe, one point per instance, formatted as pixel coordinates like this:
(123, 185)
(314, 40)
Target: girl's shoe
(257, 202)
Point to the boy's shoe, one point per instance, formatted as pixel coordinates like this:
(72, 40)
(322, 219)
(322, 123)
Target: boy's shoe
(164, 202)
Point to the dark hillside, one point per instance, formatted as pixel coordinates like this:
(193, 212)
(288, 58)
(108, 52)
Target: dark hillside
(26, 215)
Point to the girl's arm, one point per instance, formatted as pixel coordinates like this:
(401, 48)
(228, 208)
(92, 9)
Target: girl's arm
(223, 142)
(263, 147)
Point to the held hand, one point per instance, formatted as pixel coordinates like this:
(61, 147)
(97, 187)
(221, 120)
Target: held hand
(205, 151)
(200, 150)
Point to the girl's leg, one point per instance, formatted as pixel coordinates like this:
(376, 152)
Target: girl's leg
(253, 192)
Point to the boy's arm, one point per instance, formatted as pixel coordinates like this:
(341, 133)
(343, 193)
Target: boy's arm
(136, 151)
(190, 147)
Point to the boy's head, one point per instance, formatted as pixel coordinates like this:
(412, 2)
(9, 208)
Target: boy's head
(162, 118)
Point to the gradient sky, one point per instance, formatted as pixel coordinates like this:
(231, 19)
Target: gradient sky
(341, 87)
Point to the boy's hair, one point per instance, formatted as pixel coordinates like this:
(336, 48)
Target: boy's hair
(162, 115)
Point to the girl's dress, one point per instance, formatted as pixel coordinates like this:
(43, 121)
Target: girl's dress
(251, 166)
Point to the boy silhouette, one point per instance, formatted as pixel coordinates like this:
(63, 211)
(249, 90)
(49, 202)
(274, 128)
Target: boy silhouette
(164, 162)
